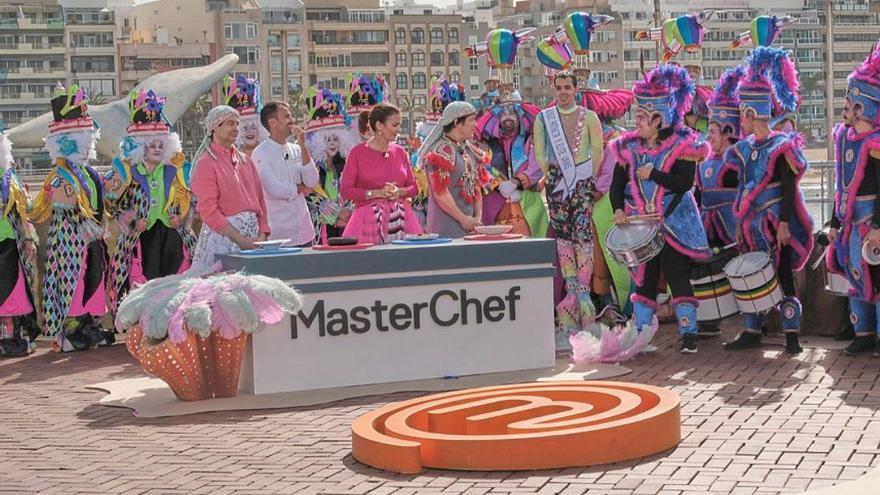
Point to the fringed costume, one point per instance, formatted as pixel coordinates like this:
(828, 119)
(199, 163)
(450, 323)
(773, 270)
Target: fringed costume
(146, 193)
(856, 208)
(18, 328)
(72, 199)
(665, 92)
(770, 170)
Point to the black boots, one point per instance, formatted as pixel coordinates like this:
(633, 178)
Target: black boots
(746, 340)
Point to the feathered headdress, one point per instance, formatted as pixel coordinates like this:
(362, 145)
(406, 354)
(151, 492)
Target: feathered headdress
(667, 90)
(70, 110)
(243, 94)
(441, 94)
(770, 80)
(5, 152)
(145, 113)
(724, 105)
(326, 109)
(864, 87)
(365, 92)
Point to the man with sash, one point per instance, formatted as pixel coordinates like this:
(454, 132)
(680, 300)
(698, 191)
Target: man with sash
(654, 177)
(769, 207)
(568, 147)
(856, 219)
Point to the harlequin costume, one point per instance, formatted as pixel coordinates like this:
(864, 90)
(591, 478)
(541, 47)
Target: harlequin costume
(717, 181)
(856, 208)
(330, 136)
(514, 195)
(18, 328)
(665, 92)
(569, 149)
(770, 171)
(146, 183)
(72, 200)
(243, 94)
(441, 94)
(459, 168)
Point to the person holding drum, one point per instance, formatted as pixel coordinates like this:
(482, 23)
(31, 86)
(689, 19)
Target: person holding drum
(652, 182)
(856, 220)
(773, 219)
(716, 188)
(568, 148)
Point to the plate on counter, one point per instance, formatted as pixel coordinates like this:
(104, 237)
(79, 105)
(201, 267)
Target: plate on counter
(421, 237)
(498, 237)
(344, 247)
(493, 229)
(426, 242)
(276, 251)
(272, 245)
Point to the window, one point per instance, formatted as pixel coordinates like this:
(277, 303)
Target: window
(294, 84)
(246, 54)
(277, 87)
(417, 36)
(436, 36)
(420, 100)
(418, 58)
(369, 37)
(83, 40)
(437, 58)
(401, 81)
(453, 35)
(400, 59)
(473, 64)
(275, 63)
(400, 36)
(293, 40)
(455, 77)
(104, 87)
(240, 30)
(328, 15)
(92, 64)
(324, 37)
(370, 59)
(274, 40)
(453, 58)
(369, 16)
(419, 80)
(294, 63)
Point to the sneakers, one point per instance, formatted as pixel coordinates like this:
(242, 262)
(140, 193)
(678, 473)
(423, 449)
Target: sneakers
(792, 345)
(861, 344)
(746, 340)
(689, 343)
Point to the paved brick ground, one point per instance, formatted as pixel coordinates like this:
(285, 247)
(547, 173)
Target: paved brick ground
(759, 422)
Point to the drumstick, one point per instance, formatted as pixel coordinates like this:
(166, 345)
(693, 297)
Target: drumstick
(637, 218)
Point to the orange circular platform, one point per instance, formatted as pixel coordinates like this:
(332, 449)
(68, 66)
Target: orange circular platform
(522, 426)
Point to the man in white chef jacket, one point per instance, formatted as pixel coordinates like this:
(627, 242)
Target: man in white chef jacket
(288, 174)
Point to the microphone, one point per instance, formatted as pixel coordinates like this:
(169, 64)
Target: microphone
(286, 156)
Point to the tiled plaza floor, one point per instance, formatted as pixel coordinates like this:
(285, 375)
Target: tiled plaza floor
(754, 422)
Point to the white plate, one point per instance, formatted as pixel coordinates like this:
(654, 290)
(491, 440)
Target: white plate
(422, 237)
(273, 244)
(494, 229)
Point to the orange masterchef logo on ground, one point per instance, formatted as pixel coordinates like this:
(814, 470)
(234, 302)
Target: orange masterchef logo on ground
(523, 426)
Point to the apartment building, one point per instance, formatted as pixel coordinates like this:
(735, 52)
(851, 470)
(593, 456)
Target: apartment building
(90, 38)
(32, 58)
(138, 61)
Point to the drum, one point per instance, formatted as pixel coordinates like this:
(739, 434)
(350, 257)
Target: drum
(634, 243)
(754, 282)
(712, 288)
(837, 284)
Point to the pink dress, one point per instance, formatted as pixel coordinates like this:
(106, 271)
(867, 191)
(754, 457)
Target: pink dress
(379, 221)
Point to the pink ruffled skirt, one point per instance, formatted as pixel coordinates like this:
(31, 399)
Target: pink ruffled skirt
(382, 221)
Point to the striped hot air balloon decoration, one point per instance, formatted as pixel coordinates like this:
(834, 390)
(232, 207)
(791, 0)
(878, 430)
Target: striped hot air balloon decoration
(500, 49)
(763, 31)
(681, 32)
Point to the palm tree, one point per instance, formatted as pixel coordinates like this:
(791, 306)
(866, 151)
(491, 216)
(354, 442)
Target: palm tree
(191, 126)
(809, 83)
(408, 106)
(296, 98)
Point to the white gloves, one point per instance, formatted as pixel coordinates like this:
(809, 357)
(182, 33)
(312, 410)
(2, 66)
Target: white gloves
(507, 188)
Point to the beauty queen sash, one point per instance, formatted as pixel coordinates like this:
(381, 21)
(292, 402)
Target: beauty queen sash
(572, 172)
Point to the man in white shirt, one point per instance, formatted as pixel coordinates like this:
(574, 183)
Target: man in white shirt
(288, 174)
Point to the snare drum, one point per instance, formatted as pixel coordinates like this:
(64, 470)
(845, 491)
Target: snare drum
(713, 290)
(837, 284)
(754, 282)
(634, 243)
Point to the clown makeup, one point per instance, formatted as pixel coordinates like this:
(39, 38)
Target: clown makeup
(509, 122)
(250, 132)
(332, 140)
(155, 151)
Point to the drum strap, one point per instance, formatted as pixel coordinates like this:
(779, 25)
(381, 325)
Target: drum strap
(673, 205)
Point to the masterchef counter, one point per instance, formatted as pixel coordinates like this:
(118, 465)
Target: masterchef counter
(394, 313)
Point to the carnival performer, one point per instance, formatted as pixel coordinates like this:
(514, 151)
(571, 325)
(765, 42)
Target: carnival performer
(72, 200)
(456, 173)
(229, 192)
(769, 208)
(568, 148)
(330, 136)
(856, 219)
(657, 163)
(440, 95)
(243, 94)
(146, 193)
(514, 194)
(379, 180)
(18, 328)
